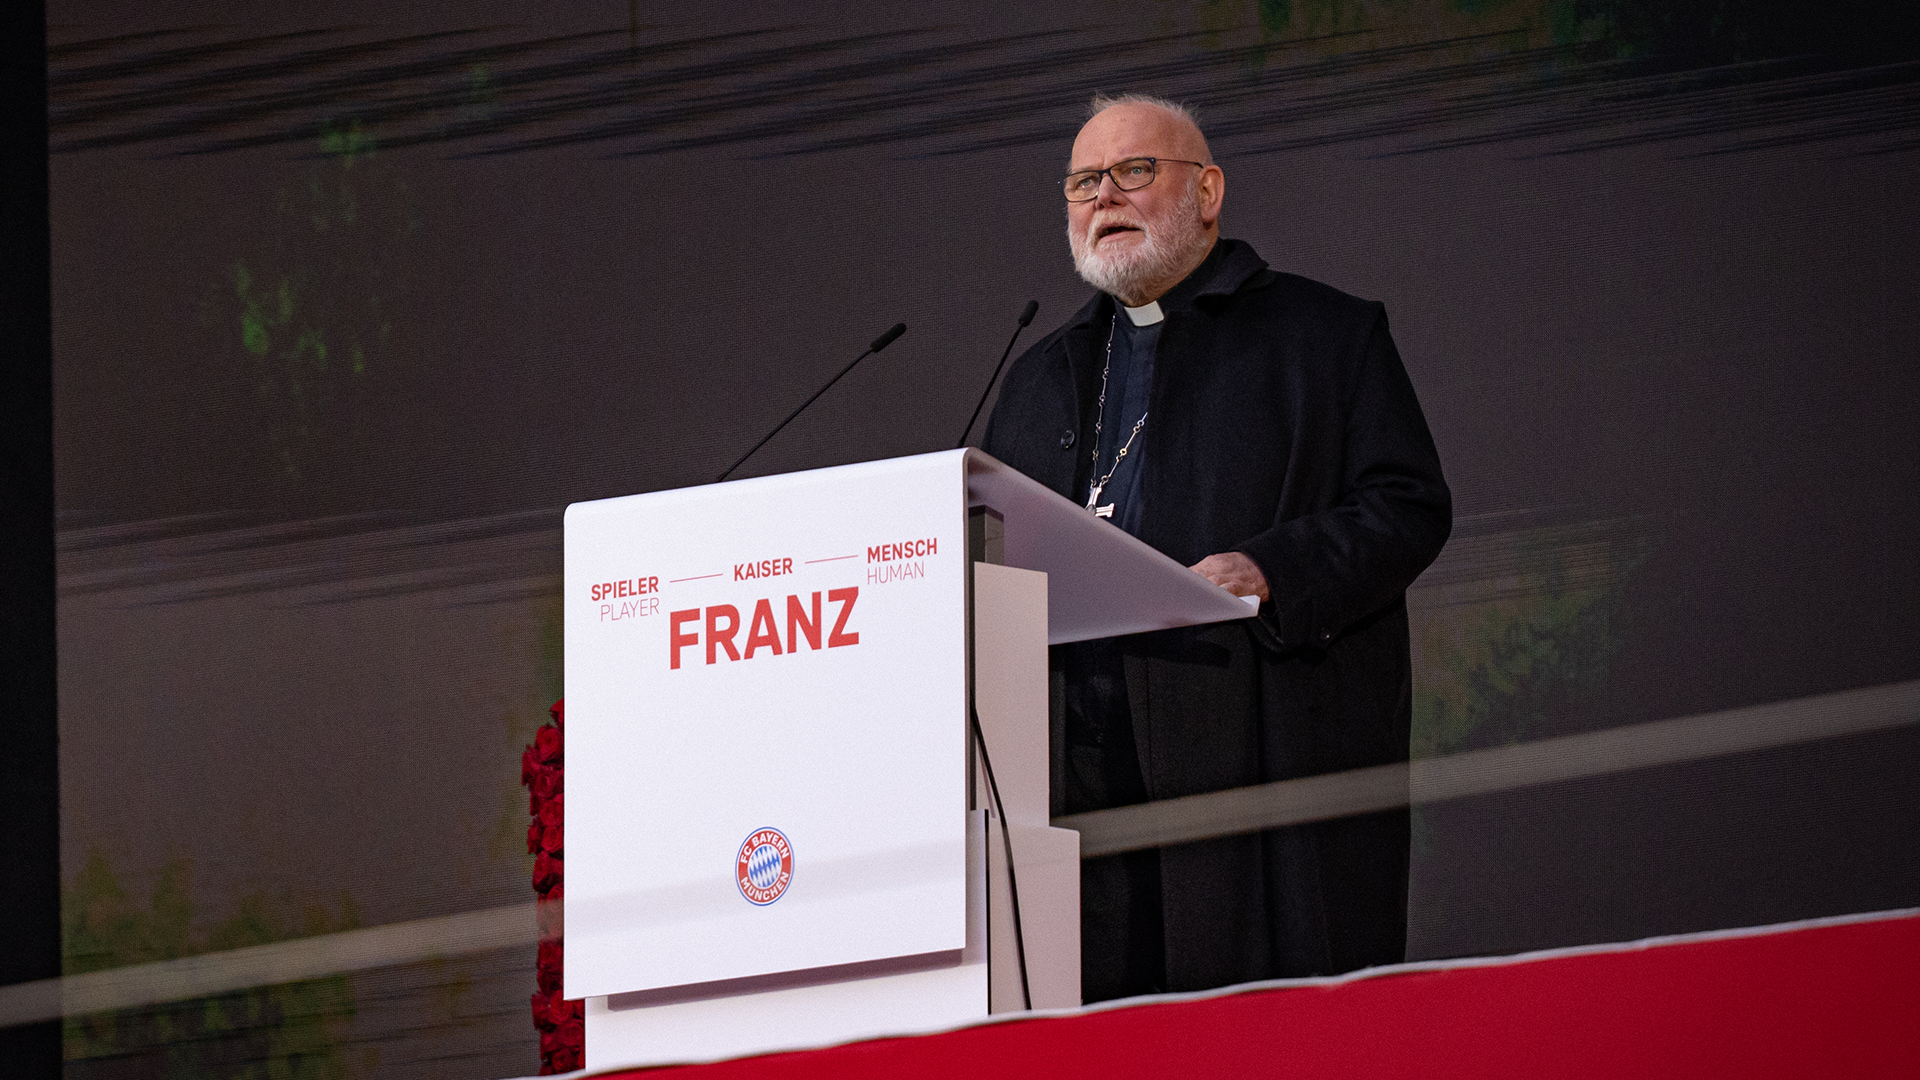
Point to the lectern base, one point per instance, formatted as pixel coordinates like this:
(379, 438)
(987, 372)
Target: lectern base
(818, 1014)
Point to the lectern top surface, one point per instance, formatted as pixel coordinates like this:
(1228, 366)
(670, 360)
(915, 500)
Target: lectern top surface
(1101, 581)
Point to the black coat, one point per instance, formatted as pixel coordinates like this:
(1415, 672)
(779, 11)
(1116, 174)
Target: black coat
(1282, 425)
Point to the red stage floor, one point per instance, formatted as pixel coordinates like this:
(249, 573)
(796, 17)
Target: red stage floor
(1831, 998)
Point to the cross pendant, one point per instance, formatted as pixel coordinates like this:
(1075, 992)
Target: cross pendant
(1094, 497)
(1103, 511)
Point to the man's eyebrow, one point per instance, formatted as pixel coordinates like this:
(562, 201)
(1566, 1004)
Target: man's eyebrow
(1071, 169)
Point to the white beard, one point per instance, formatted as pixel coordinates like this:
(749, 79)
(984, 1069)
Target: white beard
(1169, 245)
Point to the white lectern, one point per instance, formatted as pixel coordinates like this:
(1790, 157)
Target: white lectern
(777, 832)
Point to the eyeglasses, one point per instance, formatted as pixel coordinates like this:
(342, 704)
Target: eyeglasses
(1129, 175)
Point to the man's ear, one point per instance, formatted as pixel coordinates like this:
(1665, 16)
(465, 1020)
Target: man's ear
(1213, 195)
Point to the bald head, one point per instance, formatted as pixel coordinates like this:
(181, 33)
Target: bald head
(1143, 120)
(1137, 241)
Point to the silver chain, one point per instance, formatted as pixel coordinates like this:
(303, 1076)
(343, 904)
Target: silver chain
(1099, 415)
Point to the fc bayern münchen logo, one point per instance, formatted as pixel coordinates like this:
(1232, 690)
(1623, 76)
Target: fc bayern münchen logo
(764, 866)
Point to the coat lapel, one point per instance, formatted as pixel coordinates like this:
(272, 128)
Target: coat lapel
(1085, 340)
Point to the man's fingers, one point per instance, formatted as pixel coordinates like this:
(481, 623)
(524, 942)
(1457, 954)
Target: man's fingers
(1211, 575)
(1233, 572)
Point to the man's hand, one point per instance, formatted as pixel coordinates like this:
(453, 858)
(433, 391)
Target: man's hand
(1235, 573)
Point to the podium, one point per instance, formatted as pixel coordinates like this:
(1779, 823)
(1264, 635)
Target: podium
(781, 830)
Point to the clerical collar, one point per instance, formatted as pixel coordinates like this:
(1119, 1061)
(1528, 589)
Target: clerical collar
(1146, 314)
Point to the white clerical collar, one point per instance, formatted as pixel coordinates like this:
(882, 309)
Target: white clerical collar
(1146, 314)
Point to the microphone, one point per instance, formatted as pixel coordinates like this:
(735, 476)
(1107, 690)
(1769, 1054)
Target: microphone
(1026, 316)
(879, 343)
(882, 342)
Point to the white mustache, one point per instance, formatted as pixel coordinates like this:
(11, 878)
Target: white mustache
(1093, 227)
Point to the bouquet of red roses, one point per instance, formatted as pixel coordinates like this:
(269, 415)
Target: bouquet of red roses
(562, 1023)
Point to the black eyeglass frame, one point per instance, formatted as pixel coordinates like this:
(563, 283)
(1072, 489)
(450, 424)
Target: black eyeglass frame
(1107, 174)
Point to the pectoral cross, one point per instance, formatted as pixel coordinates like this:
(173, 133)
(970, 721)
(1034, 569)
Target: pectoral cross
(1093, 497)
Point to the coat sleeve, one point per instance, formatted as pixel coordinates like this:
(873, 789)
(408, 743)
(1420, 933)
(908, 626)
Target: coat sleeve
(1327, 570)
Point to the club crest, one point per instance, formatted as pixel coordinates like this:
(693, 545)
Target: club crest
(764, 866)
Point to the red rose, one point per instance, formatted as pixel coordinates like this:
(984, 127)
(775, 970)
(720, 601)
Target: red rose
(548, 971)
(546, 872)
(546, 744)
(550, 821)
(562, 1023)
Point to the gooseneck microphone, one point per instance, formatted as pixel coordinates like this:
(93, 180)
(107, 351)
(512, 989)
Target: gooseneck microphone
(1026, 316)
(879, 343)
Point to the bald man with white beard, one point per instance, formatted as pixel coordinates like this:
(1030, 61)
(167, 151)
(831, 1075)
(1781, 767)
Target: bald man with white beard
(1260, 428)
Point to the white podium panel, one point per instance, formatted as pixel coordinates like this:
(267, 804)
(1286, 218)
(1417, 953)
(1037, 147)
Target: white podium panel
(766, 722)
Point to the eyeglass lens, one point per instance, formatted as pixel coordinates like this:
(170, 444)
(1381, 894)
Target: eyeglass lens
(1129, 175)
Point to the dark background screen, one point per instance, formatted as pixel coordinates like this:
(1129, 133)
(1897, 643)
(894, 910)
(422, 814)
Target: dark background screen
(351, 299)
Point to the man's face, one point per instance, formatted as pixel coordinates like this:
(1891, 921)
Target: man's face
(1127, 242)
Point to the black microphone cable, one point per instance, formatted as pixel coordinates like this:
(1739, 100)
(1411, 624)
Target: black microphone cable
(1026, 316)
(879, 343)
(1006, 845)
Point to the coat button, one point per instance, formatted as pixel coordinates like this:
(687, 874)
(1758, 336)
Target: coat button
(1066, 440)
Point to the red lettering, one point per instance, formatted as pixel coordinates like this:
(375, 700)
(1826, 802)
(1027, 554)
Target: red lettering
(629, 587)
(839, 636)
(757, 637)
(677, 639)
(797, 621)
(905, 549)
(718, 638)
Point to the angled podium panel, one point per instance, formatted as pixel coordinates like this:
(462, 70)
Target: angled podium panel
(779, 831)
(1101, 581)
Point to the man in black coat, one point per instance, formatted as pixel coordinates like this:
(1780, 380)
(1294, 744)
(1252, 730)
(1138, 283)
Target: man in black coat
(1259, 427)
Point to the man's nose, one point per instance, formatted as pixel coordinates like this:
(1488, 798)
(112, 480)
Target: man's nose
(1109, 193)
